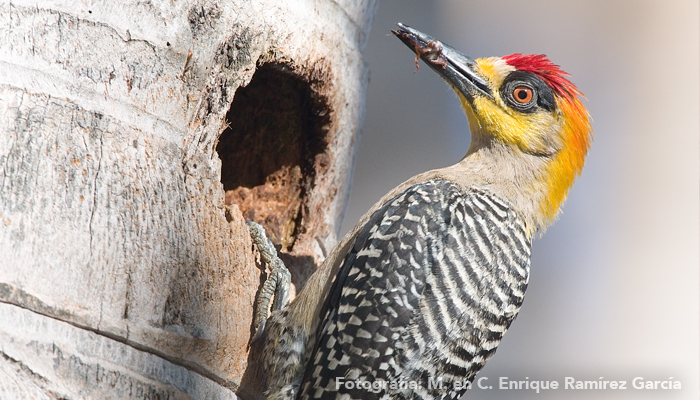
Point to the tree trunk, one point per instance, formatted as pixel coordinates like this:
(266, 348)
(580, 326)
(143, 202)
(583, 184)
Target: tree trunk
(135, 139)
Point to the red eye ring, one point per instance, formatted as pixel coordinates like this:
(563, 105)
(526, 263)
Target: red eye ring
(522, 94)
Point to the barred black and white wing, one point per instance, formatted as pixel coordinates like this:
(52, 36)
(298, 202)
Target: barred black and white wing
(422, 299)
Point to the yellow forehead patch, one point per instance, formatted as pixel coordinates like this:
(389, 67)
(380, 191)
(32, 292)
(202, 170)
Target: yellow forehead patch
(493, 69)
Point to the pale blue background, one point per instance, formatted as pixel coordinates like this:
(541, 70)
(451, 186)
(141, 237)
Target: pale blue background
(614, 284)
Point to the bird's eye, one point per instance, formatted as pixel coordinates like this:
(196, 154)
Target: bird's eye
(526, 92)
(522, 94)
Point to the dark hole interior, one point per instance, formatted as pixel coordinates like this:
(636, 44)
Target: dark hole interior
(272, 148)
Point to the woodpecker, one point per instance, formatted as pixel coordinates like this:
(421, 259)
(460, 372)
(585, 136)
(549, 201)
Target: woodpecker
(415, 299)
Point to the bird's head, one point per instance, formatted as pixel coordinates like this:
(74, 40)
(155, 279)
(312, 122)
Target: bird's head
(521, 101)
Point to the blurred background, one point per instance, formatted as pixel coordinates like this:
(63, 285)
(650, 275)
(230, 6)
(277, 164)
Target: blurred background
(614, 283)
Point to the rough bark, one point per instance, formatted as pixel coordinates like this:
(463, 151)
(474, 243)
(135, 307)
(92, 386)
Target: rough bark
(135, 138)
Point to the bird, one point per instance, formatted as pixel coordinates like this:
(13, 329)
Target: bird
(416, 298)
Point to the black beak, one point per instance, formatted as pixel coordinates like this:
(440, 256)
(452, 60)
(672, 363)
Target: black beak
(450, 64)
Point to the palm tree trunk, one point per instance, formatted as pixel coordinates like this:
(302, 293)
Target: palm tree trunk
(135, 139)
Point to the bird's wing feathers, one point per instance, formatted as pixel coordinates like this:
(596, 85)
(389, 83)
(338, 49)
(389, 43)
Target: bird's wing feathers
(429, 287)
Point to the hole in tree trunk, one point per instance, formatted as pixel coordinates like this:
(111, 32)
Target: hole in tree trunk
(273, 147)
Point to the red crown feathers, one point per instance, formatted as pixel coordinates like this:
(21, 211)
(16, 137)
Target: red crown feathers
(545, 69)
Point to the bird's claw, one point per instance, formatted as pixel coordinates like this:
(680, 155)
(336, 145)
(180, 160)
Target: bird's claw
(276, 285)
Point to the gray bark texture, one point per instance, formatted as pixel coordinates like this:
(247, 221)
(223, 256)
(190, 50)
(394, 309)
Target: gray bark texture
(135, 139)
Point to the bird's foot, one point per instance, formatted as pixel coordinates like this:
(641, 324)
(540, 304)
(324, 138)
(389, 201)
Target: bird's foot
(277, 283)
